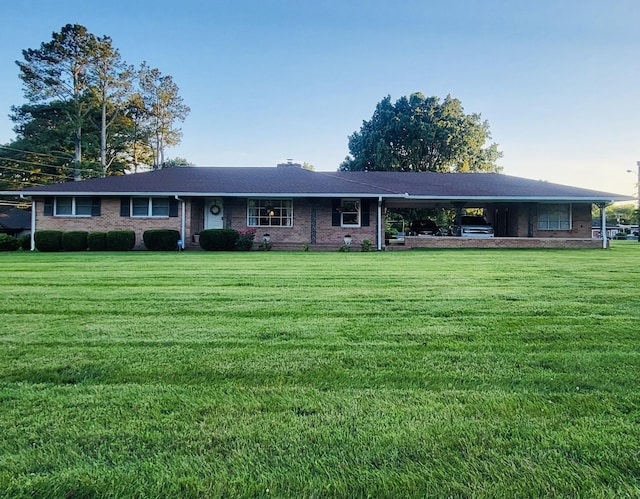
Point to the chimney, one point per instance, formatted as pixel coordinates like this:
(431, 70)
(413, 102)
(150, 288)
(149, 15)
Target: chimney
(289, 164)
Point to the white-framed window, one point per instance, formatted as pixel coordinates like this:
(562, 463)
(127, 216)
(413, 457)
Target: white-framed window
(349, 212)
(554, 216)
(72, 206)
(150, 207)
(270, 213)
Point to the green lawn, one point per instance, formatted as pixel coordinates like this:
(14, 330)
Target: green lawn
(489, 373)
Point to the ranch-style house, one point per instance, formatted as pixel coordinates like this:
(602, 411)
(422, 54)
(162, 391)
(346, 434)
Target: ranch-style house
(295, 207)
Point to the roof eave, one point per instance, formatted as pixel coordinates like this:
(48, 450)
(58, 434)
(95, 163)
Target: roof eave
(582, 199)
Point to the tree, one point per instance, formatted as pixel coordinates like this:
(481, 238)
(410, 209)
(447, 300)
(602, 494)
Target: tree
(110, 83)
(59, 70)
(81, 102)
(163, 107)
(422, 134)
(43, 151)
(139, 132)
(176, 163)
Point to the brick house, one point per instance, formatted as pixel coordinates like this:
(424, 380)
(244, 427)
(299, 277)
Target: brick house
(297, 207)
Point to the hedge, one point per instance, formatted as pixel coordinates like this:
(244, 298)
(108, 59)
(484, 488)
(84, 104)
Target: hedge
(8, 243)
(74, 240)
(25, 242)
(121, 240)
(218, 239)
(48, 240)
(161, 239)
(97, 241)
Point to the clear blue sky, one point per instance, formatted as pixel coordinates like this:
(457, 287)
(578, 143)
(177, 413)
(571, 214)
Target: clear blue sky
(558, 80)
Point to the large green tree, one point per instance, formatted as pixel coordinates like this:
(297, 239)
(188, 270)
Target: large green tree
(60, 71)
(111, 82)
(88, 113)
(162, 106)
(420, 133)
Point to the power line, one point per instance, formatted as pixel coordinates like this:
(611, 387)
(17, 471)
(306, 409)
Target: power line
(35, 164)
(27, 172)
(53, 154)
(63, 155)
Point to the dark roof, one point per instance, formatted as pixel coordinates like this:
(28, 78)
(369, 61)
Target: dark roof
(430, 185)
(289, 180)
(15, 219)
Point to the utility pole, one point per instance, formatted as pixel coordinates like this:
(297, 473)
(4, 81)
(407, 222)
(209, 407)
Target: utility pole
(638, 206)
(638, 212)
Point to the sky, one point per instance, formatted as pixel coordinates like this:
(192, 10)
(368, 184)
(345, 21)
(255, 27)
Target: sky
(270, 80)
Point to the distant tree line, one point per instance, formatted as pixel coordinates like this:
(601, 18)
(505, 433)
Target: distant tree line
(88, 113)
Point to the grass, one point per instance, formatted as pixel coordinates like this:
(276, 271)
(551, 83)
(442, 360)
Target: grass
(490, 373)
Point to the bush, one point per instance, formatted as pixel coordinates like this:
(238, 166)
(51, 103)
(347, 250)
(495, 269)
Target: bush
(48, 240)
(365, 245)
(245, 239)
(161, 239)
(8, 243)
(121, 240)
(25, 242)
(218, 239)
(97, 241)
(75, 240)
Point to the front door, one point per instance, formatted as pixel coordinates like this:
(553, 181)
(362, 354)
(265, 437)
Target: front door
(213, 214)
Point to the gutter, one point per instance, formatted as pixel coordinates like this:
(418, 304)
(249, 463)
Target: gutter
(33, 222)
(183, 221)
(380, 227)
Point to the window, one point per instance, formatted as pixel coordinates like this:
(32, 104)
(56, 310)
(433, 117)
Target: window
(149, 207)
(350, 213)
(73, 206)
(270, 213)
(554, 217)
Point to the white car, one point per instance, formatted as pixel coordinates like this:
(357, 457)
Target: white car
(475, 226)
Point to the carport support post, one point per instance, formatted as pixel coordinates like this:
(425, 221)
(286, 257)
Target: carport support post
(603, 224)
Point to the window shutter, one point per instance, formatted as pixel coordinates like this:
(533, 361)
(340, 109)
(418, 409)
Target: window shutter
(48, 207)
(335, 214)
(125, 207)
(173, 207)
(364, 212)
(95, 206)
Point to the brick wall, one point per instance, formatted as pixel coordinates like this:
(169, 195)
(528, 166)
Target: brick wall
(305, 211)
(303, 224)
(109, 219)
(580, 225)
(498, 242)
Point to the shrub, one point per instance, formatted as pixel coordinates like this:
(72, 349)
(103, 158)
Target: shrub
(218, 239)
(245, 239)
(161, 239)
(121, 240)
(97, 241)
(8, 243)
(25, 242)
(48, 240)
(365, 245)
(75, 240)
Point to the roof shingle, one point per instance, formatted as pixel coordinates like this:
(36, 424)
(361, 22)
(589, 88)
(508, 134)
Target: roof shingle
(297, 182)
